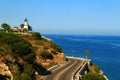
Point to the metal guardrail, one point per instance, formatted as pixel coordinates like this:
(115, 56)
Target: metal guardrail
(80, 68)
(77, 75)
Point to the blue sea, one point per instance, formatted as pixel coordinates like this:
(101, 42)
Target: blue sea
(104, 50)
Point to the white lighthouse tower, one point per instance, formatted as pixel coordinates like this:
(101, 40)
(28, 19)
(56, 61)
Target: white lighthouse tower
(26, 25)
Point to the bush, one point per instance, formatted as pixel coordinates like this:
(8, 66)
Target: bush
(30, 57)
(25, 76)
(36, 35)
(17, 76)
(39, 68)
(22, 48)
(17, 43)
(13, 66)
(29, 69)
(46, 55)
(39, 43)
(92, 76)
(56, 47)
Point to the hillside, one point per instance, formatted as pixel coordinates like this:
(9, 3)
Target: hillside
(23, 56)
(41, 45)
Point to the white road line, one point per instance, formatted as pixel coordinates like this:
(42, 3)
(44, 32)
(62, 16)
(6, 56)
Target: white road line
(59, 74)
(58, 68)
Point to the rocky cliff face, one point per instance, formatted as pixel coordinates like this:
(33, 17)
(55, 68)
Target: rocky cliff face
(5, 72)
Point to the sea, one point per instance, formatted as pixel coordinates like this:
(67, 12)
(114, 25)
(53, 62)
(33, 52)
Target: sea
(104, 50)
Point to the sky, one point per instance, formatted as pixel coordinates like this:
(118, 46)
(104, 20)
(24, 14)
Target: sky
(64, 16)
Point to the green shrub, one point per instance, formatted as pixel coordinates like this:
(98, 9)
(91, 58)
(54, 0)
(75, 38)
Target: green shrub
(17, 43)
(39, 67)
(92, 76)
(30, 57)
(39, 43)
(36, 35)
(29, 69)
(25, 76)
(56, 47)
(46, 55)
(13, 66)
(17, 76)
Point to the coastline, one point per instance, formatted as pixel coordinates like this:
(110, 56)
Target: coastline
(98, 45)
(76, 74)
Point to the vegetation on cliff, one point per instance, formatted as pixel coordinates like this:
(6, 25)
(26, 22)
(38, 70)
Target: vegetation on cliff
(94, 73)
(93, 76)
(24, 54)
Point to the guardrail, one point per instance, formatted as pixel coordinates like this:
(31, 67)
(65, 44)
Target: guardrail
(52, 67)
(79, 70)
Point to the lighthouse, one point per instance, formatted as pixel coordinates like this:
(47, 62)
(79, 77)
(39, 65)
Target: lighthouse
(26, 25)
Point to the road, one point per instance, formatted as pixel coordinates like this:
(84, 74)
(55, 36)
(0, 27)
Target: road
(64, 72)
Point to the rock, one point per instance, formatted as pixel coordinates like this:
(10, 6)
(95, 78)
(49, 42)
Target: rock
(4, 71)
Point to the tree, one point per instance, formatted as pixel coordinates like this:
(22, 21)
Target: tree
(87, 52)
(6, 27)
(92, 76)
(29, 28)
(22, 25)
(46, 55)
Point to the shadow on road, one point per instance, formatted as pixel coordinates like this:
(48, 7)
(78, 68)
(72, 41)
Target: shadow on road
(46, 72)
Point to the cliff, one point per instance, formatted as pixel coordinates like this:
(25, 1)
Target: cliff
(42, 45)
(25, 56)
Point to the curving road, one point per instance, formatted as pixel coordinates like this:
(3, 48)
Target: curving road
(64, 72)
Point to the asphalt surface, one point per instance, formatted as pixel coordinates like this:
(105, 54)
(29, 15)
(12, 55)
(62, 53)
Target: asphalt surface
(64, 72)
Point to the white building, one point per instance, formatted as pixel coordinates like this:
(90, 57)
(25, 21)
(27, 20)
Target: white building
(26, 25)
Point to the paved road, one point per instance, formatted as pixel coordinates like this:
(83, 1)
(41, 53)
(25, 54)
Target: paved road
(65, 71)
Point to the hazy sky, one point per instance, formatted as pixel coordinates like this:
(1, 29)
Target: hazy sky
(64, 16)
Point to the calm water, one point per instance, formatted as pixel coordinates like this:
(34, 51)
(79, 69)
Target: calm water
(105, 50)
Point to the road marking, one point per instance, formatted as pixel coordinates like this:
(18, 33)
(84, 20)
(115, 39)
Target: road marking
(60, 66)
(59, 74)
